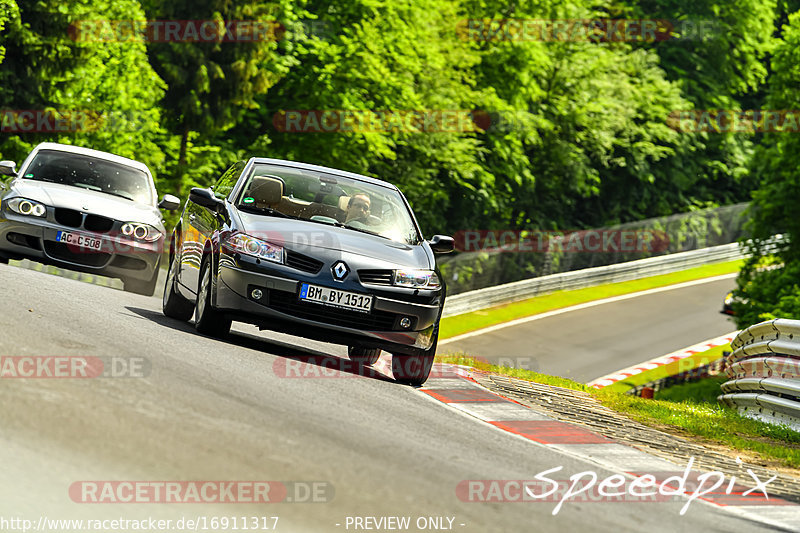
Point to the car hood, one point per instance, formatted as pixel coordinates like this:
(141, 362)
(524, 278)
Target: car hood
(330, 242)
(98, 203)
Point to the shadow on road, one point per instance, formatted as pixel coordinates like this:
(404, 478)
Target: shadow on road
(292, 357)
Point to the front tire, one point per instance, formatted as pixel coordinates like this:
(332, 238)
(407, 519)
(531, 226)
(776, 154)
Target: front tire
(363, 356)
(172, 303)
(414, 369)
(208, 320)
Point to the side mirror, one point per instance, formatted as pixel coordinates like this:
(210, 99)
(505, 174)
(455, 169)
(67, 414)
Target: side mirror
(205, 198)
(8, 168)
(441, 244)
(170, 203)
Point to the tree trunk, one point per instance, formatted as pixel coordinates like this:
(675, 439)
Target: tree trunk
(181, 170)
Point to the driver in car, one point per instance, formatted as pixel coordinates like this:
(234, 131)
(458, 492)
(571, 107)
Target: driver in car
(358, 208)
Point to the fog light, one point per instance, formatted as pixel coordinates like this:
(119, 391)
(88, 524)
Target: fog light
(405, 322)
(256, 294)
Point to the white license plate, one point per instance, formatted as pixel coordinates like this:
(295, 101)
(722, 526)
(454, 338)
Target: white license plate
(76, 239)
(336, 298)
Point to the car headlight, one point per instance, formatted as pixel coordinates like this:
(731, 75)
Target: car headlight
(141, 232)
(256, 247)
(416, 279)
(23, 206)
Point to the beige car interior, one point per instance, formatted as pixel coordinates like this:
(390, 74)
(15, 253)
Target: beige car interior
(268, 192)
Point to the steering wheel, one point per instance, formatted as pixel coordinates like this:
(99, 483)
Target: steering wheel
(358, 223)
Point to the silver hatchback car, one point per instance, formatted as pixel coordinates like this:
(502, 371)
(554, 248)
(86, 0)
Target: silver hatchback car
(84, 210)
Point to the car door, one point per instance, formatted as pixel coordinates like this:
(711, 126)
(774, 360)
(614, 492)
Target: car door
(198, 225)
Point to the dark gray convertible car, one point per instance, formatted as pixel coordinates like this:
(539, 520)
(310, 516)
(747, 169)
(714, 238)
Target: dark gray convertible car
(84, 210)
(314, 252)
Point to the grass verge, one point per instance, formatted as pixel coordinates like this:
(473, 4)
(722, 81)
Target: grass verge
(712, 423)
(456, 325)
(697, 415)
(701, 391)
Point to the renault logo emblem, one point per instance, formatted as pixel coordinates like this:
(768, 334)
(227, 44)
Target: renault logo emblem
(340, 270)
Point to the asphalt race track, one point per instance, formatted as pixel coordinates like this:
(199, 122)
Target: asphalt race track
(593, 342)
(203, 409)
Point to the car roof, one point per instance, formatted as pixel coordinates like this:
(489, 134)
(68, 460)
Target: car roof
(93, 153)
(306, 166)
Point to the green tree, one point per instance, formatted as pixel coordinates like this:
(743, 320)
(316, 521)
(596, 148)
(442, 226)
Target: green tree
(773, 292)
(384, 56)
(212, 84)
(8, 9)
(587, 141)
(48, 68)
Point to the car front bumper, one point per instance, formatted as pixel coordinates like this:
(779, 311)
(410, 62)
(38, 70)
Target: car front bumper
(280, 309)
(25, 237)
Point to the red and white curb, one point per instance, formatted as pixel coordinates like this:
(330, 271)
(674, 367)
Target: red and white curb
(622, 375)
(453, 387)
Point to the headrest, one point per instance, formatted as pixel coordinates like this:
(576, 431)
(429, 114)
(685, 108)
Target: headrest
(266, 190)
(343, 201)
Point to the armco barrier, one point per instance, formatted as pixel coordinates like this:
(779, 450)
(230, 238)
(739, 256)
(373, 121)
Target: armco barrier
(589, 277)
(765, 373)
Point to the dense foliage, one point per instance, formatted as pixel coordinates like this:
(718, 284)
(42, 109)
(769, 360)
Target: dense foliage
(769, 286)
(565, 133)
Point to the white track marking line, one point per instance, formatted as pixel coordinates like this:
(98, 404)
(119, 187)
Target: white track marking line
(586, 305)
(774, 516)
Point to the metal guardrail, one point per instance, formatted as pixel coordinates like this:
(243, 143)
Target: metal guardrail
(589, 277)
(765, 373)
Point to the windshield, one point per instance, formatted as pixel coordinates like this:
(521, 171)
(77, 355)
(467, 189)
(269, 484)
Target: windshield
(90, 173)
(328, 199)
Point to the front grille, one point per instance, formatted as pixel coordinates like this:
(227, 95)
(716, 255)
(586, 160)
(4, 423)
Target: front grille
(68, 217)
(375, 277)
(98, 224)
(302, 262)
(64, 252)
(288, 303)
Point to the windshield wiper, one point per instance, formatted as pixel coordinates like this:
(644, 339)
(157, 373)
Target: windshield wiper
(112, 194)
(368, 232)
(338, 224)
(262, 211)
(326, 222)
